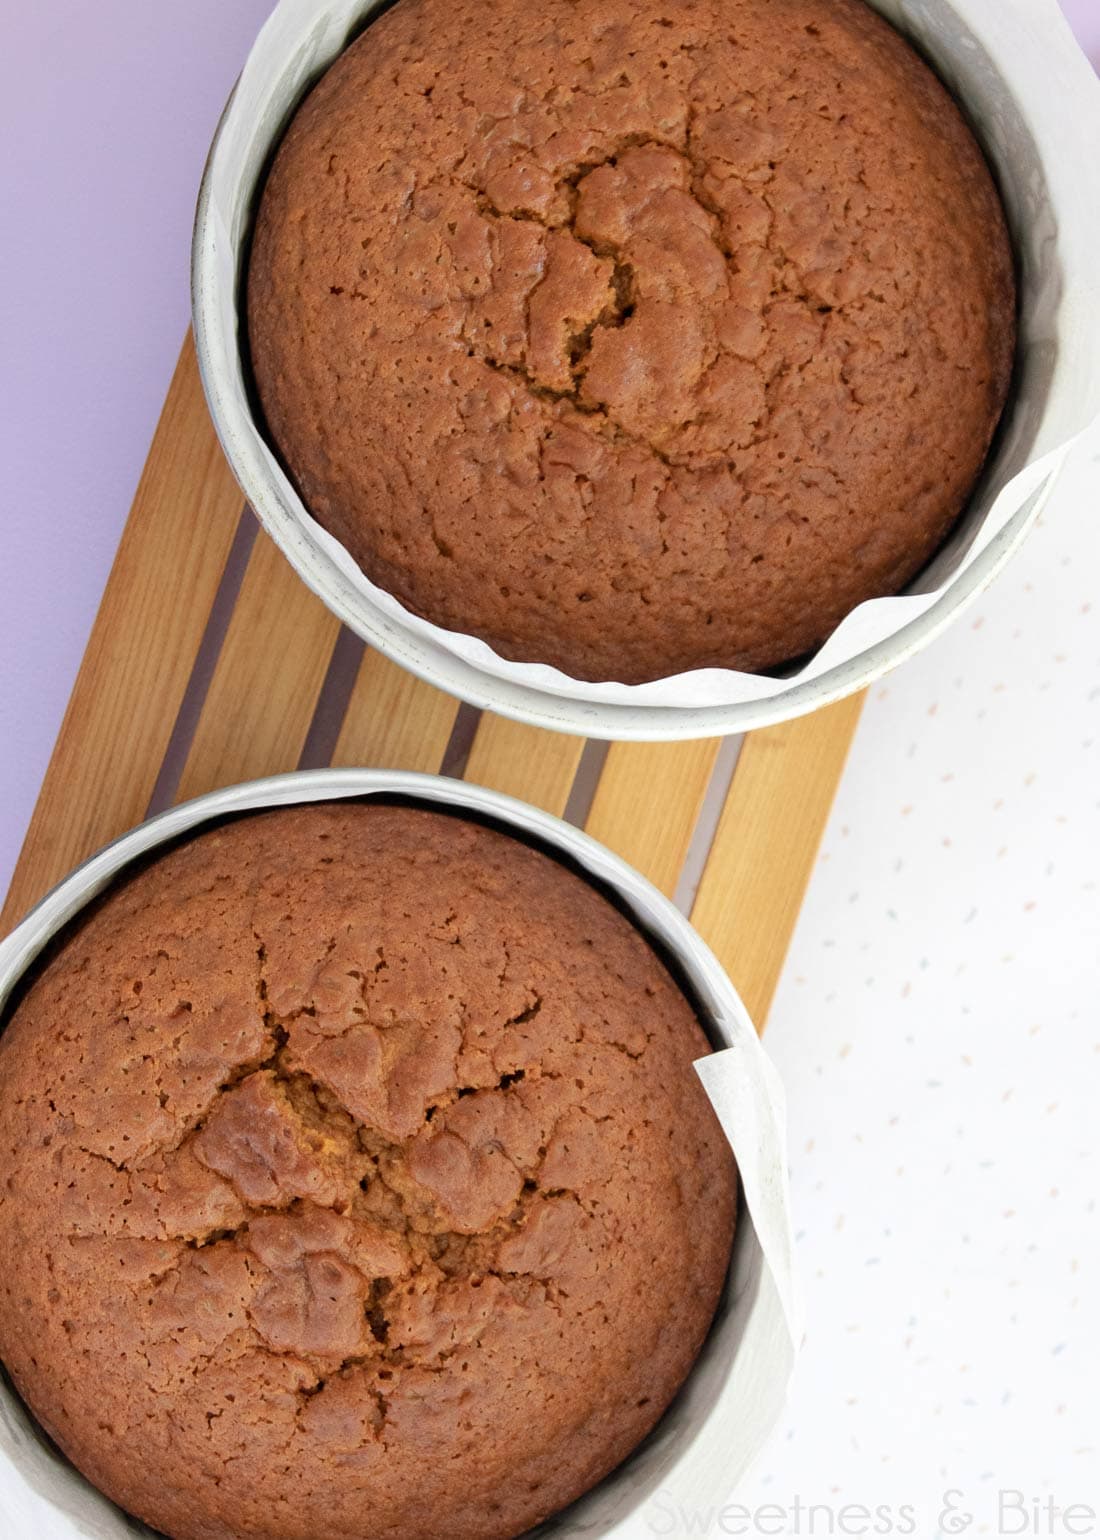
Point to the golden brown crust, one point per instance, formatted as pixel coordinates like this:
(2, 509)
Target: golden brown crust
(352, 1162)
(633, 337)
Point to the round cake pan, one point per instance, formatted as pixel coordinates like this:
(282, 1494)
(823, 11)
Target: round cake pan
(724, 1413)
(1034, 103)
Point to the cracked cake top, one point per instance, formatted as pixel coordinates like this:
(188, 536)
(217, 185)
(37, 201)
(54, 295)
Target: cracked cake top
(633, 337)
(353, 1164)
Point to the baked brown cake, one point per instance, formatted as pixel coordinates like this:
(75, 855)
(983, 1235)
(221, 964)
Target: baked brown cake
(633, 336)
(355, 1179)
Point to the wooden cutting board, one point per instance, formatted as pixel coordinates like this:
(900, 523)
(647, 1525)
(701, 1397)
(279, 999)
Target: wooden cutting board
(211, 663)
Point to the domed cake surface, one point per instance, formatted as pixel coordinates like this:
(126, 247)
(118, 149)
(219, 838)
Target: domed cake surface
(353, 1164)
(633, 336)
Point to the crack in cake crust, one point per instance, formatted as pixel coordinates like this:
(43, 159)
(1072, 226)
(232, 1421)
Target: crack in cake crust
(341, 1144)
(632, 347)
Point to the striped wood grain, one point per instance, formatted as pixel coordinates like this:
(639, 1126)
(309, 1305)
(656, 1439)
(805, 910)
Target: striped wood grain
(394, 721)
(267, 681)
(524, 762)
(142, 648)
(648, 802)
(766, 843)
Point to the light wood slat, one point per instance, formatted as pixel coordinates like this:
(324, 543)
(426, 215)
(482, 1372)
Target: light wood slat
(648, 801)
(268, 677)
(142, 648)
(766, 844)
(524, 762)
(394, 721)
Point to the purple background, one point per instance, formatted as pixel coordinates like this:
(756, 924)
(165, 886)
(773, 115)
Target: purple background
(105, 122)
